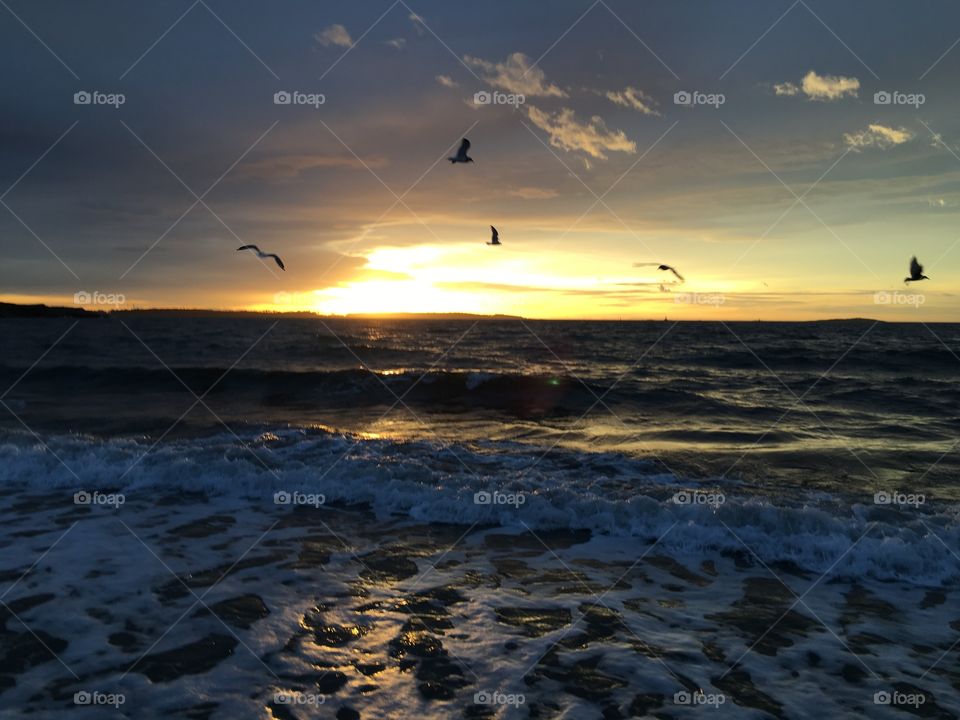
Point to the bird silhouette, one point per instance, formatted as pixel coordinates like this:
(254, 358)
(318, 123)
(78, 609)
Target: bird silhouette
(263, 255)
(461, 156)
(916, 271)
(495, 238)
(673, 270)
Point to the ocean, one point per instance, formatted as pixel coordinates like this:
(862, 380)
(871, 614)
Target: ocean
(479, 517)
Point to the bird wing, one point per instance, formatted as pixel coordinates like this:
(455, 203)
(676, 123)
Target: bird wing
(248, 247)
(496, 235)
(673, 270)
(916, 269)
(462, 151)
(279, 261)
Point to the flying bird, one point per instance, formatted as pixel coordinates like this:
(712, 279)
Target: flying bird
(495, 239)
(673, 270)
(461, 156)
(262, 255)
(660, 266)
(916, 271)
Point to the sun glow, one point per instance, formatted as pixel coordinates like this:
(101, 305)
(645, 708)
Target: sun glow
(399, 296)
(472, 278)
(456, 278)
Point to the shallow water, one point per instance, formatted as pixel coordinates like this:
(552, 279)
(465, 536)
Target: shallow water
(189, 606)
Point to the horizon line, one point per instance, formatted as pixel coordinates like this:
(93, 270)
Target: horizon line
(99, 311)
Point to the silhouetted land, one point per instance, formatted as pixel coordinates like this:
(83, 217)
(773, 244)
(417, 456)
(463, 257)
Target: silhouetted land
(11, 310)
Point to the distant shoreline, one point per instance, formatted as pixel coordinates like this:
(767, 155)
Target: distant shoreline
(39, 311)
(14, 310)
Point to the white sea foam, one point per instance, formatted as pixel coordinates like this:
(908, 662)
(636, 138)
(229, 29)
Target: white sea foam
(510, 485)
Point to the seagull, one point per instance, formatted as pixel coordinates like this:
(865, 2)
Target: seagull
(916, 271)
(495, 240)
(262, 255)
(659, 266)
(461, 156)
(673, 270)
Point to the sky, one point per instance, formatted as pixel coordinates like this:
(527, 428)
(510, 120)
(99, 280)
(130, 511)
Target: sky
(788, 189)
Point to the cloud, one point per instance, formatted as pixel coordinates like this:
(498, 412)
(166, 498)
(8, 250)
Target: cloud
(334, 35)
(398, 43)
(515, 75)
(285, 167)
(479, 285)
(447, 81)
(828, 87)
(534, 193)
(877, 135)
(592, 137)
(418, 22)
(786, 88)
(820, 87)
(633, 98)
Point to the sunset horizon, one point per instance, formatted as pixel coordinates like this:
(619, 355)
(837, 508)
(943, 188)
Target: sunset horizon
(784, 185)
(66, 303)
(428, 359)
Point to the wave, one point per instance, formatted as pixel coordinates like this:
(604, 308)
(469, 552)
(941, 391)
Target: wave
(513, 392)
(819, 357)
(517, 394)
(508, 484)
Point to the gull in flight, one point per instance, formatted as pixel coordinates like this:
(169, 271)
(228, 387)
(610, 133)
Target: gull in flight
(262, 255)
(659, 266)
(495, 239)
(916, 271)
(461, 156)
(673, 270)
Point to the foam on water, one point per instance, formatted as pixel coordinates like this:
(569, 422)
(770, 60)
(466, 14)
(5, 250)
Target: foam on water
(513, 485)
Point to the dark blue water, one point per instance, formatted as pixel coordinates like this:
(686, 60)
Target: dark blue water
(810, 401)
(796, 428)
